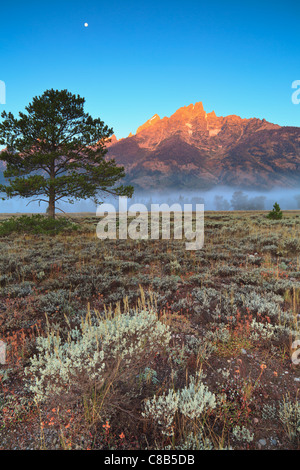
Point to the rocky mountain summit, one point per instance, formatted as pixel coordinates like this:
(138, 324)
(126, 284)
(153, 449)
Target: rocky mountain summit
(193, 149)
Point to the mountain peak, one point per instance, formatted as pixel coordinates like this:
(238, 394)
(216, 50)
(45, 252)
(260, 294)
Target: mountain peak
(148, 123)
(111, 141)
(194, 149)
(198, 106)
(190, 111)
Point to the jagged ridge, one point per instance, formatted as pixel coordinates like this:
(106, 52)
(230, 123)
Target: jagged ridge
(194, 149)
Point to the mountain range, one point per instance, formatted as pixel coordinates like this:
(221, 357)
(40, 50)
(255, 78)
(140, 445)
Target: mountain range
(194, 150)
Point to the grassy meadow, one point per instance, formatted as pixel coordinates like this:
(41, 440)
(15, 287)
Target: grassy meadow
(123, 344)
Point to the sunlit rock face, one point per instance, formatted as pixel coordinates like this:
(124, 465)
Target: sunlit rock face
(197, 150)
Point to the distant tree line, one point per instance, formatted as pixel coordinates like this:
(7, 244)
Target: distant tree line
(240, 202)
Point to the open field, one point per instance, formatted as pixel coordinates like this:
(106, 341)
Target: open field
(142, 344)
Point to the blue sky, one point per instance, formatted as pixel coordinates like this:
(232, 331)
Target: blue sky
(138, 58)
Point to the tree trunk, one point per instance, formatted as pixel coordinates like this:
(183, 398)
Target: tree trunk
(51, 208)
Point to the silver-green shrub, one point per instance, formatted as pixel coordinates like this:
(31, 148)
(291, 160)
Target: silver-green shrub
(289, 415)
(240, 433)
(192, 402)
(91, 353)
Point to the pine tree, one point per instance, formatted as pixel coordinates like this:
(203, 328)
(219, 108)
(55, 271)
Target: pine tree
(55, 151)
(275, 213)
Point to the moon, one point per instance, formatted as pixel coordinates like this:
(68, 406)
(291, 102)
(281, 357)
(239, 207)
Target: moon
(86, 25)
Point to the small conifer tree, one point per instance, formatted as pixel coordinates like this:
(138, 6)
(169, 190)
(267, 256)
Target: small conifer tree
(275, 213)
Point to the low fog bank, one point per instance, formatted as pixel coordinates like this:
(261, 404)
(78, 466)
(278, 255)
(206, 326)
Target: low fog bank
(219, 199)
(18, 205)
(225, 199)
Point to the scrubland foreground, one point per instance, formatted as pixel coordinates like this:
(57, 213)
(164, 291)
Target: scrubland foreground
(143, 345)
